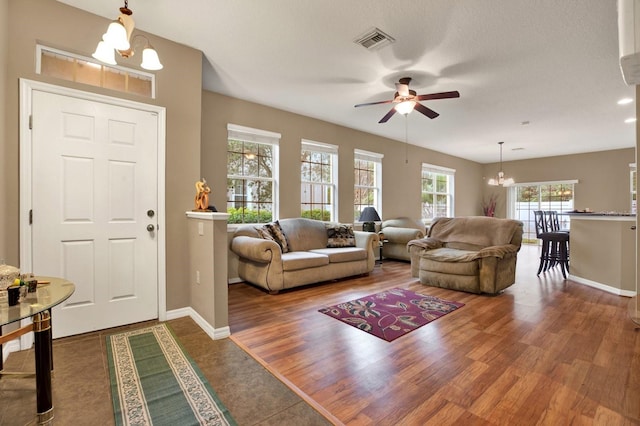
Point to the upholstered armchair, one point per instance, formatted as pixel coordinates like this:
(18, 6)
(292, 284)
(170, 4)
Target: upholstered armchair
(475, 254)
(396, 233)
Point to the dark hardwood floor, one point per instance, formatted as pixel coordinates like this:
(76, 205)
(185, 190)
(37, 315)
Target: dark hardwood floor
(546, 351)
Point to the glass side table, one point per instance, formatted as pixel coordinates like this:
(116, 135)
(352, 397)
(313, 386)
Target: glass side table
(37, 305)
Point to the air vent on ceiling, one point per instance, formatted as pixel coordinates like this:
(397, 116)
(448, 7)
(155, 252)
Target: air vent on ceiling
(374, 39)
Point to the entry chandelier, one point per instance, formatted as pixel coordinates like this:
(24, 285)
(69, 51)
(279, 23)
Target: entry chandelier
(118, 39)
(500, 180)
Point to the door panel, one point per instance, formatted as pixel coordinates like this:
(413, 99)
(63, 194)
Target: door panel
(94, 178)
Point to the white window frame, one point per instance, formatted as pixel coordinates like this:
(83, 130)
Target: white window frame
(375, 158)
(332, 150)
(251, 135)
(450, 191)
(529, 230)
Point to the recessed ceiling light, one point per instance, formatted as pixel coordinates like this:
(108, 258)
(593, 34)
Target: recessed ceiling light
(630, 120)
(625, 101)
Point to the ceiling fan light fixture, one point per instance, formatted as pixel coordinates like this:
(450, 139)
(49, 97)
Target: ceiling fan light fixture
(406, 100)
(405, 107)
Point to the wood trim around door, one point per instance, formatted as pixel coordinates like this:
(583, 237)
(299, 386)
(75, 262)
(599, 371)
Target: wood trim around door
(26, 91)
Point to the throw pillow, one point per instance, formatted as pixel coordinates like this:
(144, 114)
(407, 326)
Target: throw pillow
(265, 233)
(278, 235)
(340, 236)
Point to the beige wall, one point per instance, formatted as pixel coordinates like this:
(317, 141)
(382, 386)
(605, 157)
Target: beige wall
(400, 181)
(603, 178)
(178, 89)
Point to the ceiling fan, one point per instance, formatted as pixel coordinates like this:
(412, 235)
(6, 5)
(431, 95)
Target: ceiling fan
(406, 100)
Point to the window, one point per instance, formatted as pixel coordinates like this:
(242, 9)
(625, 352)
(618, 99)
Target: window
(528, 197)
(437, 192)
(318, 177)
(368, 182)
(71, 67)
(252, 175)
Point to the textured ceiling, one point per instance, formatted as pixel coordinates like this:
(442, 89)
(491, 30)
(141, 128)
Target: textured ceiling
(553, 64)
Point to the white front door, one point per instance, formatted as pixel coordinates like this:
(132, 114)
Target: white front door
(94, 196)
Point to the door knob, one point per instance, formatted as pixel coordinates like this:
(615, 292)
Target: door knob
(150, 228)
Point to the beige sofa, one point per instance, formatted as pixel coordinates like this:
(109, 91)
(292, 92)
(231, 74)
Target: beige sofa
(475, 254)
(397, 233)
(309, 260)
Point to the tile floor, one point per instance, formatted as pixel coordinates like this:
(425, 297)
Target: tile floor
(81, 393)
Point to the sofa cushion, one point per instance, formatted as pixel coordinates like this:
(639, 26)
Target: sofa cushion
(296, 260)
(475, 231)
(342, 254)
(304, 234)
(339, 235)
(447, 254)
(454, 268)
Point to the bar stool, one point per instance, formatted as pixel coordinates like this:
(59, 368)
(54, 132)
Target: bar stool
(555, 244)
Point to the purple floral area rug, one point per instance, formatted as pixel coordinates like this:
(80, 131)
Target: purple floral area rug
(392, 313)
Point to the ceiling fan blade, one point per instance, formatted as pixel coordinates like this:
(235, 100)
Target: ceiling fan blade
(373, 103)
(426, 111)
(443, 95)
(403, 89)
(388, 116)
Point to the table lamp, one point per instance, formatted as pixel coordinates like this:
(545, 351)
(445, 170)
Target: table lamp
(368, 216)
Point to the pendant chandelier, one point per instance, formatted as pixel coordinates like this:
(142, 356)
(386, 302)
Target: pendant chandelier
(118, 39)
(500, 180)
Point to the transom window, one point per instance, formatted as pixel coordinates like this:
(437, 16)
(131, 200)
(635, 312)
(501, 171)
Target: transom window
(437, 192)
(368, 182)
(69, 66)
(252, 156)
(318, 177)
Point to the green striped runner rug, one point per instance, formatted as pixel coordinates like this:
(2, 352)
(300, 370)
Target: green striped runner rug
(154, 382)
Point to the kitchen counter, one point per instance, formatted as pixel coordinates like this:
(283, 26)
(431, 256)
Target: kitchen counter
(602, 251)
(601, 215)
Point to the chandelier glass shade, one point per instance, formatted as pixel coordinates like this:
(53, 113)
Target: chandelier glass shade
(118, 39)
(500, 180)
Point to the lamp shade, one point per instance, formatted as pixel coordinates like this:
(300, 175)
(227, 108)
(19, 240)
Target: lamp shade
(150, 60)
(116, 36)
(105, 53)
(369, 214)
(405, 107)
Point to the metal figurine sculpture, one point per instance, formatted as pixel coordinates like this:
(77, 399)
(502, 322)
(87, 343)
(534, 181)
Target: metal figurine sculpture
(202, 196)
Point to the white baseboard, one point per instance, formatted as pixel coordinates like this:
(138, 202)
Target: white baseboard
(12, 346)
(603, 287)
(214, 333)
(235, 280)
